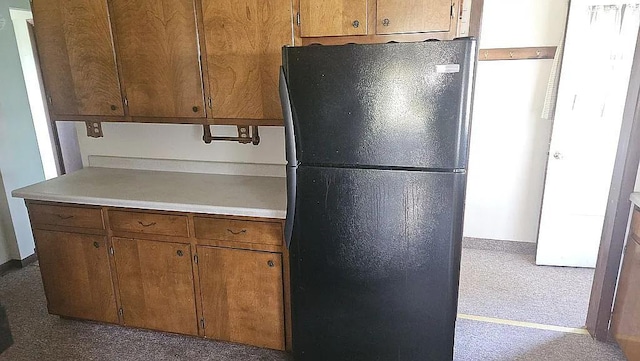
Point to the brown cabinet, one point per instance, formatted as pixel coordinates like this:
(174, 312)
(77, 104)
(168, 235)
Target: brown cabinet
(625, 326)
(157, 48)
(414, 16)
(242, 296)
(76, 275)
(78, 65)
(244, 39)
(156, 286)
(333, 18)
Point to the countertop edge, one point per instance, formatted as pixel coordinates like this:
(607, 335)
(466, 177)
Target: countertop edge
(161, 206)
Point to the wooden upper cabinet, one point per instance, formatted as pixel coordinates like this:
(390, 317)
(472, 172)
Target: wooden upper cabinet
(75, 48)
(157, 48)
(413, 16)
(333, 17)
(244, 39)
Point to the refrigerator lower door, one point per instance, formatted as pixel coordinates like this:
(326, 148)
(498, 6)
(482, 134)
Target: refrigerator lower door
(375, 260)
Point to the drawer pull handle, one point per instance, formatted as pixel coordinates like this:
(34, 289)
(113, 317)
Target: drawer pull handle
(236, 233)
(63, 217)
(147, 224)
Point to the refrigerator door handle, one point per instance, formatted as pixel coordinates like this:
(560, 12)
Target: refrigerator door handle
(291, 204)
(287, 114)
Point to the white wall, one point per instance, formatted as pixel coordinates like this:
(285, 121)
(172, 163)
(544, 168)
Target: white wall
(509, 138)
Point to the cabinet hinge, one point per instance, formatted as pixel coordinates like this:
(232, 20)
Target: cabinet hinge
(195, 259)
(452, 6)
(298, 19)
(121, 312)
(210, 103)
(126, 101)
(49, 100)
(111, 250)
(202, 324)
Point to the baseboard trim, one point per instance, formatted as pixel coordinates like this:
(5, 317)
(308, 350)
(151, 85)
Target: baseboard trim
(17, 264)
(519, 247)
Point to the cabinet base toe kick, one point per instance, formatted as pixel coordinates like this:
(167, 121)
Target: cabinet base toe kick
(212, 276)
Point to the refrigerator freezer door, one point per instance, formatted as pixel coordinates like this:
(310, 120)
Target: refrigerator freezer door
(382, 105)
(375, 260)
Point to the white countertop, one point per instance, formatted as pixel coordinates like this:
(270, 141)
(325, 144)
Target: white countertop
(635, 198)
(172, 191)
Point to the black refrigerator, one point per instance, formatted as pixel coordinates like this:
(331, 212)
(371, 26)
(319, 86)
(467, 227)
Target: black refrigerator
(377, 139)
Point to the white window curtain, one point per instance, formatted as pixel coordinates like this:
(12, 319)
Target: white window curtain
(602, 40)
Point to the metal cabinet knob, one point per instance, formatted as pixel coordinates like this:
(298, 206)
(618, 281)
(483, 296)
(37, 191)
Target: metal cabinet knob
(355, 23)
(270, 263)
(386, 22)
(179, 253)
(96, 244)
(195, 109)
(113, 107)
(557, 155)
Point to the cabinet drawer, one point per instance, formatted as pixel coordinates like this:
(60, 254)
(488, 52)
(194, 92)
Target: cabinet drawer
(69, 216)
(151, 223)
(240, 231)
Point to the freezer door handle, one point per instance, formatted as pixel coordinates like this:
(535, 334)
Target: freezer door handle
(291, 204)
(287, 115)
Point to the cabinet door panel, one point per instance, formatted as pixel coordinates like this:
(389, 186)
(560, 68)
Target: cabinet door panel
(244, 39)
(76, 276)
(333, 17)
(157, 49)
(626, 311)
(413, 16)
(76, 57)
(242, 296)
(156, 285)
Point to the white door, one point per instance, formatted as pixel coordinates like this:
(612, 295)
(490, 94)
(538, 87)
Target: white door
(598, 54)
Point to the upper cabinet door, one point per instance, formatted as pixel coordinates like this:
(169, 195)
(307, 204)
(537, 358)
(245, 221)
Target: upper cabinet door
(333, 17)
(157, 47)
(413, 16)
(76, 57)
(244, 39)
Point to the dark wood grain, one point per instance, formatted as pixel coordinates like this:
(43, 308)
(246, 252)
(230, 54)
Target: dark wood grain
(243, 41)
(156, 285)
(242, 296)
(76, 277)
(157, 49)
(332, 17)
(76, 54)
(413, 16)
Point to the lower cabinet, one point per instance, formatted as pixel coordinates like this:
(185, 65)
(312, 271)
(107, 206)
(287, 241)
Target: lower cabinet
(156, 286)
(76, 275)
(242, 296)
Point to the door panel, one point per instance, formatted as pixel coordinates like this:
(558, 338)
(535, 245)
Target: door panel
(157, 48)
(333, 17)
(76, 54)
(413, 16)
(156, 285)
(242, 296)
(244, 41)
(382, 104)
(76, 275)
(376, 263)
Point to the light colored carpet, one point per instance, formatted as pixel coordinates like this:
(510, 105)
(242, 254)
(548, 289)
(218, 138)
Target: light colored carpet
(40, 336)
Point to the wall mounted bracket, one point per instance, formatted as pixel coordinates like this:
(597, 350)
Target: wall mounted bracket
(246, 134)
(94, 129)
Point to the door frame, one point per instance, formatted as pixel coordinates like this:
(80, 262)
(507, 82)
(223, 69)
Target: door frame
(616, 218)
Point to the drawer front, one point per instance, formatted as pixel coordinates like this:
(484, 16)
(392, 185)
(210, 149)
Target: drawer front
(151, 223)
(239, 231)
(68, 216)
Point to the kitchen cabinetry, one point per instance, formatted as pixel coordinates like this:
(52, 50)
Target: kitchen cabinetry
(243, 51)
(77, 58)
(157, 48)
(413, 16)
(626, 310)
(333, 17)
(220, 277)
(242, 295)
(156, 285)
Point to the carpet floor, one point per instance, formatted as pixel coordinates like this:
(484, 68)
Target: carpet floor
(493, 284)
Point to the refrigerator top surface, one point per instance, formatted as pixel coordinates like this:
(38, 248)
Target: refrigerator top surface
(404, 105)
